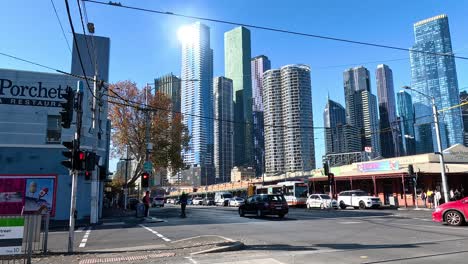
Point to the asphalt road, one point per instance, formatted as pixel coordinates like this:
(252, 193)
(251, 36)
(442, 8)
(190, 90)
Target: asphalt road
(315, 236)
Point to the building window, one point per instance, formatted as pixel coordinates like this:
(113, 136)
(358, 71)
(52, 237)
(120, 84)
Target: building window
(54, 129)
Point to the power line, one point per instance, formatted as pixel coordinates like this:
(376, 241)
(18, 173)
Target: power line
(76, 45)
(60, 23)
(274, 29)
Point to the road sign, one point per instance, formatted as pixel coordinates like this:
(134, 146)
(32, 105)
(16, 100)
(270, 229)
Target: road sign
(148, 166)
(11, 235)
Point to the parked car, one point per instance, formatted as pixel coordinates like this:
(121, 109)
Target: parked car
(265, 204)
(236, 201)
(208, 201)
(358, 199)
(321, 201)
(197, 201)
(132, 202)
(170, 200)
(157, 201)
(452, 213)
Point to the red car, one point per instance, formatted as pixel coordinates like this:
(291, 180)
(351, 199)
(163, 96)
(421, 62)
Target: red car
(452, 213)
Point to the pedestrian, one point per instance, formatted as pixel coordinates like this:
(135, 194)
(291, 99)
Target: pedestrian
(146, 202)
(452, 195)
(457, 195)
(437, 197)
(183, 204)
(423, 198)
(430, 197)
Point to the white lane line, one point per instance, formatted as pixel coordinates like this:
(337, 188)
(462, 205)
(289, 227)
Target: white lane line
(191, 260)
(156, 233)
(85, 238)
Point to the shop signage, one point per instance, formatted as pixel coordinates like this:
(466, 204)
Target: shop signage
(386, 165)
(11, 235)
(37, 94)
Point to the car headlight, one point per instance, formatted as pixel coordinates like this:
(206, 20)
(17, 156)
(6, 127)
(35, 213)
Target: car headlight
(438, 209)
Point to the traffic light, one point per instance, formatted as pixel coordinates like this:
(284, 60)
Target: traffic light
(102, 173)
(145, 180)
(326, 170)
(90, 161)
(410, 170)
(331, 178)
(80, 160)
(68, 163)
(67, 111)
(87, 175)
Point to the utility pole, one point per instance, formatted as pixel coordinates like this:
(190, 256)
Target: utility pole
(94, 177)
(74, 173)
(439, 147)
(126, 179)
(149, 146)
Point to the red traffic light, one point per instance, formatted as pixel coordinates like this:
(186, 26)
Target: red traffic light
(145, 175)
(81, 155)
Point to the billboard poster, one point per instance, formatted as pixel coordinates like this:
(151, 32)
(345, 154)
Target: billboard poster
(27, 193)
(378, 166)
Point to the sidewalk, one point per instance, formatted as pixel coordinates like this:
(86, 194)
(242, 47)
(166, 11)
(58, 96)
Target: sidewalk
(166, 253)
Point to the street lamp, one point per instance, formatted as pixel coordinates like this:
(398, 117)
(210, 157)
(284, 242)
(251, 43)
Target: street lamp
(439, 142)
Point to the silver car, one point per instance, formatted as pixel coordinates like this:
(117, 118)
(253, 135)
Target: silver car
(236, 201)
(321, 201)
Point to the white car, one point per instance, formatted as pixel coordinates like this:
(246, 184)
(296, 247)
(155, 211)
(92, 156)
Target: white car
(197, 201)
(358, 199)
(158, 201)
(321, 201)
(236, 201)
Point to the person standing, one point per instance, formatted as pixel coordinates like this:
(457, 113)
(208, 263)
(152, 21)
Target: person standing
(423, 198)
(183, 203)
(437, 197)
(452, 195)
(146, 202)
(430, 197)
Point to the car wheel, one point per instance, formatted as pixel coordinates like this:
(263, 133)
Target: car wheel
(362, 205)
(453, 218)
(281, 216)
(322, 206)
(241, 212)
(259, 213)
(342, 205)
(308, 206)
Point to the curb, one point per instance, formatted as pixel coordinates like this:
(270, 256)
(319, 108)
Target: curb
(237, 245)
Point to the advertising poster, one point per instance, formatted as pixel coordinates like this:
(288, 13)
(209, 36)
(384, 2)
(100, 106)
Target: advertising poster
(27, 192)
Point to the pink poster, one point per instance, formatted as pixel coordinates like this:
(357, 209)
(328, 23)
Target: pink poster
(27, 193)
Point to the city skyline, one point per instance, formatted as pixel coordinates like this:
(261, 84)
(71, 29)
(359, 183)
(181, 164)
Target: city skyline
(326, 68)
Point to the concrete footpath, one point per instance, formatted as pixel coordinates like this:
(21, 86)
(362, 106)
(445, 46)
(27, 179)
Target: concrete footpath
(174, 251)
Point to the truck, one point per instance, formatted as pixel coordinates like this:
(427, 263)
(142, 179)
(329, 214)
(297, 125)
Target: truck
(222, 198)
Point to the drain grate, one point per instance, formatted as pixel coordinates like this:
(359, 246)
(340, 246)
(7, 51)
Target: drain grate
(128, 258)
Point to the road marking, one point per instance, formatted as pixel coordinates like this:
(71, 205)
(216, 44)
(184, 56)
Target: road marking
(156, 233)
(85, 238)
(349, 222)
(191, 260)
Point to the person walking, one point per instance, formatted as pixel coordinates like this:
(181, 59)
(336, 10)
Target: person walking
(430, 197)
(452, 195)
(146, 202)
(183, 204)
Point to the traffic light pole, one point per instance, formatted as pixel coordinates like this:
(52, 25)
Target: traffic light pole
(74, 173)
(94, 176)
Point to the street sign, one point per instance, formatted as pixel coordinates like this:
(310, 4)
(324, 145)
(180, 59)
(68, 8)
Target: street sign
(148, 166)
(11, 235)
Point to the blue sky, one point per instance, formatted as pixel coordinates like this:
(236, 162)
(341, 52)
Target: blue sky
(144, 45)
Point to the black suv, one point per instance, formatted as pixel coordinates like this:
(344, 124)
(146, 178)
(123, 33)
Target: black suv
(265, 204)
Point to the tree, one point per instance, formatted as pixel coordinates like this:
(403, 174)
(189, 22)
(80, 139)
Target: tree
(127, 112)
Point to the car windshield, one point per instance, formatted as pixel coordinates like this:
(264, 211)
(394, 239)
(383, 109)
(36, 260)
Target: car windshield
(239, 199)
(228, 195)
(324, 196)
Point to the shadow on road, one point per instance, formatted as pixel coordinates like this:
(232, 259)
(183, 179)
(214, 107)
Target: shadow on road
(279, 247)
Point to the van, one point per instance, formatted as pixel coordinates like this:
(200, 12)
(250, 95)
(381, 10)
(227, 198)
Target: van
(222, 198)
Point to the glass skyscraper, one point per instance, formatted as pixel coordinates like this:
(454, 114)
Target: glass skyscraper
(259, 65)
(197, 99)
(237, 56)
(361, 107)
(435, 75)
(406, 113)
(169, 85)
(389, 129)
(223, 129)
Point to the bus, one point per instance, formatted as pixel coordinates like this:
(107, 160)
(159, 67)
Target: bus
(295, 192)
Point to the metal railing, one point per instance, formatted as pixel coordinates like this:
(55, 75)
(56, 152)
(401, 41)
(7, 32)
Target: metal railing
(35, 236)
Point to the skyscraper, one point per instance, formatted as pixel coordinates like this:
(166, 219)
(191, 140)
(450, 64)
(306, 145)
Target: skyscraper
(361, 107)
(389, 129)
(223, 129)
(406, 113)
(169, 85)
(197, 99)
(464, 99)
(289, 135)
(237, 57)
(339, 137)
(259, 65)
(436, 76)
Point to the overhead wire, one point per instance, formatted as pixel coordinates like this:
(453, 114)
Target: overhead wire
(120, 5)
(61, 26)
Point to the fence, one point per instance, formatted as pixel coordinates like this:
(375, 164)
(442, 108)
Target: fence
(34, 240)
